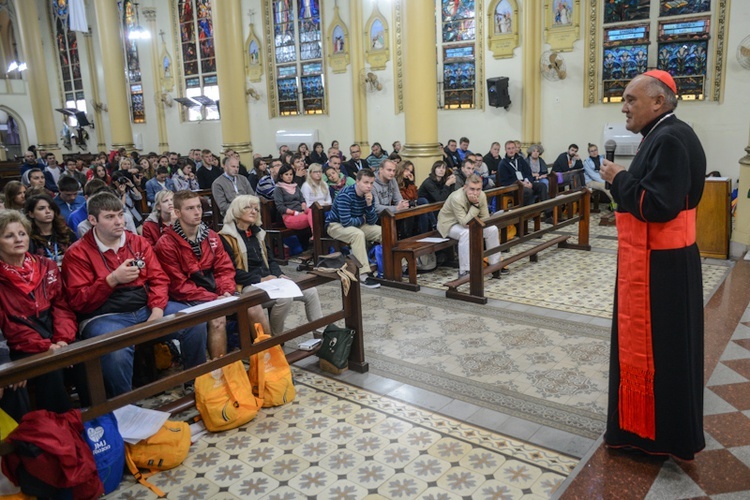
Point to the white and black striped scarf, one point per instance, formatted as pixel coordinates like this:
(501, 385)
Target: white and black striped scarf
(195, 245)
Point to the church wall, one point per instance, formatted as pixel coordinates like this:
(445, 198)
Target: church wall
(722, 127)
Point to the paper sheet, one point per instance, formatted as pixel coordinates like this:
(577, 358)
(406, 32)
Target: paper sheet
(206, 305)
(137, 423)
(432, 240)
(280, 288)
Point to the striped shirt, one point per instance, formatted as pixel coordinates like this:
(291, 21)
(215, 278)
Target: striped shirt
(351, 210)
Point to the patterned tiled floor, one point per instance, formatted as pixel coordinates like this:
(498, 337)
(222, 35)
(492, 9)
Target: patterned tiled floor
(336, 441)
(540, 368)
(588, 277)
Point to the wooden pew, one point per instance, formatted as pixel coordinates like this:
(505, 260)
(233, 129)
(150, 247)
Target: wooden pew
(88, 352)
(321, 240)
(477, 270)
(9, 171)
(410, 249)
(274, 227)
(211, 213)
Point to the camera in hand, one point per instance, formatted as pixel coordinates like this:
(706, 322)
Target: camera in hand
(412, 203)
(139, 263)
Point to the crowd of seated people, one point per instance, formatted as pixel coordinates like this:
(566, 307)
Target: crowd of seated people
(106, 258)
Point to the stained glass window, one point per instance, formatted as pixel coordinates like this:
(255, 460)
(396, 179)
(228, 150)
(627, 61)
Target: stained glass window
(625, 56)
(618, 11)
(132, 62)
(298, 57)
(66, 46)
(683, 52)
(459, 53)
(682, 7)
(681, 47)
(198, 57)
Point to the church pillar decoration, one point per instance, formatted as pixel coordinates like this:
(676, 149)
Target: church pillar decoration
(230, 70)
(531, 104)
(115, 84)
(161, 122)
(359, 92)
(36, 76)
(420, 84)
(96, 99)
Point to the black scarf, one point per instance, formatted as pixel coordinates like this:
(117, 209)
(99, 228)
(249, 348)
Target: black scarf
(194, 245)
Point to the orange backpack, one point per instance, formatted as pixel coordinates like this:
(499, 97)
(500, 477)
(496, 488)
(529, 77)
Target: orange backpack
(225, 399)
(165, 450)
(270, 374)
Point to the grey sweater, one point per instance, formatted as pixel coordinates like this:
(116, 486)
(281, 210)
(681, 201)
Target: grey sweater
(386, 196)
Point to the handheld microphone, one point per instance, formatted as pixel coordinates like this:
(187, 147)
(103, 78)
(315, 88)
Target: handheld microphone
(609, 151)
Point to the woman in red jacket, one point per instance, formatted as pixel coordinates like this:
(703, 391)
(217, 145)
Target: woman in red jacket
(34, 314)
(160, 218)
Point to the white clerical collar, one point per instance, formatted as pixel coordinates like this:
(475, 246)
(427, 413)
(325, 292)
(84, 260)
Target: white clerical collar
(103, 248)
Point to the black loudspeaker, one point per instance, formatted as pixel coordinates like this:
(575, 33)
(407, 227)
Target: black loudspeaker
(497, 92)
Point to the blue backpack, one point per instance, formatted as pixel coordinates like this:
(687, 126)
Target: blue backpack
(376, 255)
(105, 441)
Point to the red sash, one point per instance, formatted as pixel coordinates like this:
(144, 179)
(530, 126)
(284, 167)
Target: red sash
(636, 239)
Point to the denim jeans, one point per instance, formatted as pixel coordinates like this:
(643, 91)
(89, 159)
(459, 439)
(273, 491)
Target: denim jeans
(117, 366)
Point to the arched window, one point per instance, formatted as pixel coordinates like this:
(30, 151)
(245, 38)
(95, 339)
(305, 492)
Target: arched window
(677, 36)
(458, 53)
(66, 47)
(132, 62)
(294, 33)
(198, 58)
(8, 44)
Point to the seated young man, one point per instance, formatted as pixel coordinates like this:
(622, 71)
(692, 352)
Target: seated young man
(113, 281)
(353, 220)
(460, 207)
(198, 267)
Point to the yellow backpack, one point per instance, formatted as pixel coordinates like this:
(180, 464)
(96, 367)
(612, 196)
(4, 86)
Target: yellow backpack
(165, 450)
(225, 399)
(270, 374)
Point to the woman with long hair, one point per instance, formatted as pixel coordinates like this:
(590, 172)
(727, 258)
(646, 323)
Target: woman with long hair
(161, 217)
(317, 155)
(50, 235)
(15, 195)
(289, 201)
(304, 152)
(184, 179)
(439, 185)
(245, 242)
(258, 172)
(34, 314)
(148, 170)
(100, 172)
(315, 189)
(405, 180)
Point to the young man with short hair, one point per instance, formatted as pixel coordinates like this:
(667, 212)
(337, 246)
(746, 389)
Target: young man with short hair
(52, 173)
(159, 182)
(113, 281)
(198, 267)
(387, 195)
(35, 178)
(353, 220)
(208, 173)
(68, 199)
(461, 207)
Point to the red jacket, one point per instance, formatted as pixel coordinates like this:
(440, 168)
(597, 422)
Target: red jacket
(64, 460)
(180, 262)
(152, 231)
(17, 310)
(85, 270)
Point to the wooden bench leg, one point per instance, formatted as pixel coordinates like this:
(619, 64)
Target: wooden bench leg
(412, 264)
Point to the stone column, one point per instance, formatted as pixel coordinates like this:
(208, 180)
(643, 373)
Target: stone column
(230, 69)
(113, 63)
(359, 104)
(420, 83)
(36, 76)
(98, 122)
(533, 24)
(161, 123)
